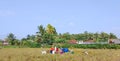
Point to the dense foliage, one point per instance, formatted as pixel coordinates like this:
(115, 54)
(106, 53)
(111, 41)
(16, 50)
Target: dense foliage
(92, 46)
(49, 36)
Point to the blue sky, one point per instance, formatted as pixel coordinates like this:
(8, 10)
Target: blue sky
(22, 17)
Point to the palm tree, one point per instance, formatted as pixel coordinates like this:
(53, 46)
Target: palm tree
(96, 37)
(86, 35)
(104, 36)
(112, 36)
(50, 29)
(11, 38)
(41, 30)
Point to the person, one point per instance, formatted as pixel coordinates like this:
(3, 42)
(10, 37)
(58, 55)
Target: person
(57, 50)
(52, 50)
(61, 51)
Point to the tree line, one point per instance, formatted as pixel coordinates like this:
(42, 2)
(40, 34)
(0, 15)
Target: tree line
(48, 36)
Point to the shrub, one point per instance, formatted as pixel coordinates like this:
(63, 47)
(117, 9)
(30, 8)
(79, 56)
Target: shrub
(92, 46)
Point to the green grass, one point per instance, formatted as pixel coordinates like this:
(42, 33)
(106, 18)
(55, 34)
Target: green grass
(34, 54)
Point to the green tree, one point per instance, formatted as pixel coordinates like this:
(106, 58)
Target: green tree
(112, 36)
(96, 37)
(38, 39)
(66, 36)
(50, 29)
(104, 37)
(86, 35)
(90, 36)
(46, 35)
(40, 34)
(11, 38)
(23, 42)
(31, 37)
(42, 30)
(48, 39)
(50, 35)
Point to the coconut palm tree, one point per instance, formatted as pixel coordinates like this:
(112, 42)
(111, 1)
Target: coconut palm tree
(50, 29)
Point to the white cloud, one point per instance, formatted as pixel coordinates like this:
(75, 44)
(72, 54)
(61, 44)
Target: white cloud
(6, 13)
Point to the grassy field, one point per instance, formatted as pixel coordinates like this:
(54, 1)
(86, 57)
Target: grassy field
(34, 54)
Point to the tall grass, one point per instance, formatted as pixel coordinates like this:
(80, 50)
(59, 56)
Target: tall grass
(34, 54)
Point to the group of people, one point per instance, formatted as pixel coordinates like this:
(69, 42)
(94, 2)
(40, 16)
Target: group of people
(55, 50)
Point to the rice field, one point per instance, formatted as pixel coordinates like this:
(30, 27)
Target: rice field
(34, 54)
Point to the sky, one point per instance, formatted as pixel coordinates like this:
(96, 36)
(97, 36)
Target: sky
(22, 17)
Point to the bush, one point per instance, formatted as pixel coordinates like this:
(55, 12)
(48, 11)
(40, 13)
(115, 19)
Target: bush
(92, 46)
(35, 45)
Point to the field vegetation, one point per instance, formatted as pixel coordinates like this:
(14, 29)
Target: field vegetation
(34, 54)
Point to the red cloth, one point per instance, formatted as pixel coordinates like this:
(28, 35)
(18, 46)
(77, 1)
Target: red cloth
(57, 49)
(52, 48)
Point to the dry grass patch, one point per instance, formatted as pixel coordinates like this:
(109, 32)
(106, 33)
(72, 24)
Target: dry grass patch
(34, 54)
